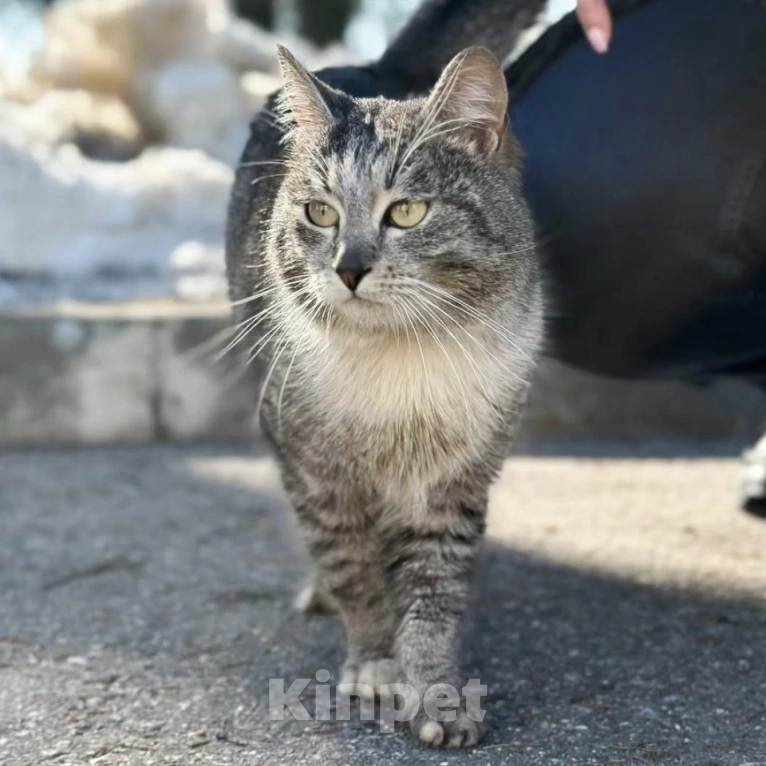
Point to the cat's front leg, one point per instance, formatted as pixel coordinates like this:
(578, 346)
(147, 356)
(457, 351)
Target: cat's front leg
(345, 550)
(430, 565)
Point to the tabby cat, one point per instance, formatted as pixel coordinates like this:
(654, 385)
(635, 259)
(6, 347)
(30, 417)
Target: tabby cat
(387, 271)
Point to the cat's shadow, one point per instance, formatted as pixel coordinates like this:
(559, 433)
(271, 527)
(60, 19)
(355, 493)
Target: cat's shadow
(631, 672)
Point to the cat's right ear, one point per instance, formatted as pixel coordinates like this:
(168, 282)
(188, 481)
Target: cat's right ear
(304, 97)
(471, 98)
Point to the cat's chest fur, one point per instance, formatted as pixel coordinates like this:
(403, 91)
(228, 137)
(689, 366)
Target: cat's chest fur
(409, 413)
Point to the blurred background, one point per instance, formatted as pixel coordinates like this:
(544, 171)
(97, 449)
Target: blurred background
(121, 122)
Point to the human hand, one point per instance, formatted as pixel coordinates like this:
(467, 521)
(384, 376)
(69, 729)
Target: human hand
(596, 22)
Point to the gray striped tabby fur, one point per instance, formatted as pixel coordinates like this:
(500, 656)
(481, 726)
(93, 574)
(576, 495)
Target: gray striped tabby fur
(390, 409)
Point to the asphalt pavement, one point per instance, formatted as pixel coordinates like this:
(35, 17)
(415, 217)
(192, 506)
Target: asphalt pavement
(619, 614)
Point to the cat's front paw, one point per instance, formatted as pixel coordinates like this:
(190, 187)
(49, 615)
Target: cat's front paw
(438, 717)
(462, 732)
(368, 676)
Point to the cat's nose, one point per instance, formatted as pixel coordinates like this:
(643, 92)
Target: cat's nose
(352, 277)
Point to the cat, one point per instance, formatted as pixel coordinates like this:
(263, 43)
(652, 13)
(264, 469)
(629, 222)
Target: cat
(385, 265)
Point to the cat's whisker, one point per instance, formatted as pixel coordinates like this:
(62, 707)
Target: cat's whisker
(318, 157)
(395, 154)
(262, 342)
(317, 309)
(258, 163)
(498, 330)
(288, 282)
(328, 327)
(249, 325)
(284, 385)
(281, 345)
(444, 351)
(262, 292)
(397, 322)
(432, 307)
(438, 130)
(438, 104)
(454, 122)
(239, 330)
(272, 119)
(481, 378)
(426, 379)
(202, 349)
(266, 178)
(474, 313)
(406, 324)
(519, 251)
(490, 354)
(431, 115)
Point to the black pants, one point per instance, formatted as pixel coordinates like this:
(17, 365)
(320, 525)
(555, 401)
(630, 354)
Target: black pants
(646, 172)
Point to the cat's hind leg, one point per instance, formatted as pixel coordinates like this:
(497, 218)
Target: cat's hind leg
(313, 598)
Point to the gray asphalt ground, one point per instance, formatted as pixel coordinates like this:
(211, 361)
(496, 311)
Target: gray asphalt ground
(619, 616)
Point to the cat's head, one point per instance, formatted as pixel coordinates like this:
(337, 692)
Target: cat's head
(394, 213)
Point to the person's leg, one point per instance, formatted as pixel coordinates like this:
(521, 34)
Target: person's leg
(646, 172)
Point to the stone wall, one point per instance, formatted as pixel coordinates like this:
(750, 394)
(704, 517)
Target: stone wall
(126, 372)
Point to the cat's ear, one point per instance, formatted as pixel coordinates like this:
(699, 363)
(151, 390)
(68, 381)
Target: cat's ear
(471, 99)
(303, 97)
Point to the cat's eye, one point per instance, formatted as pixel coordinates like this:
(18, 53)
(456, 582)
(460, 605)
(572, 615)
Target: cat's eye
(407, 213)
(322, 214)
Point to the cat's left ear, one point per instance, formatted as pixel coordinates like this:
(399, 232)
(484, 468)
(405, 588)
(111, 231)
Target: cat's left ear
(471, 99)
(303, 96)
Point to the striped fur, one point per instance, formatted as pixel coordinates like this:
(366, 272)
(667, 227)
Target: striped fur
(391, 412)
